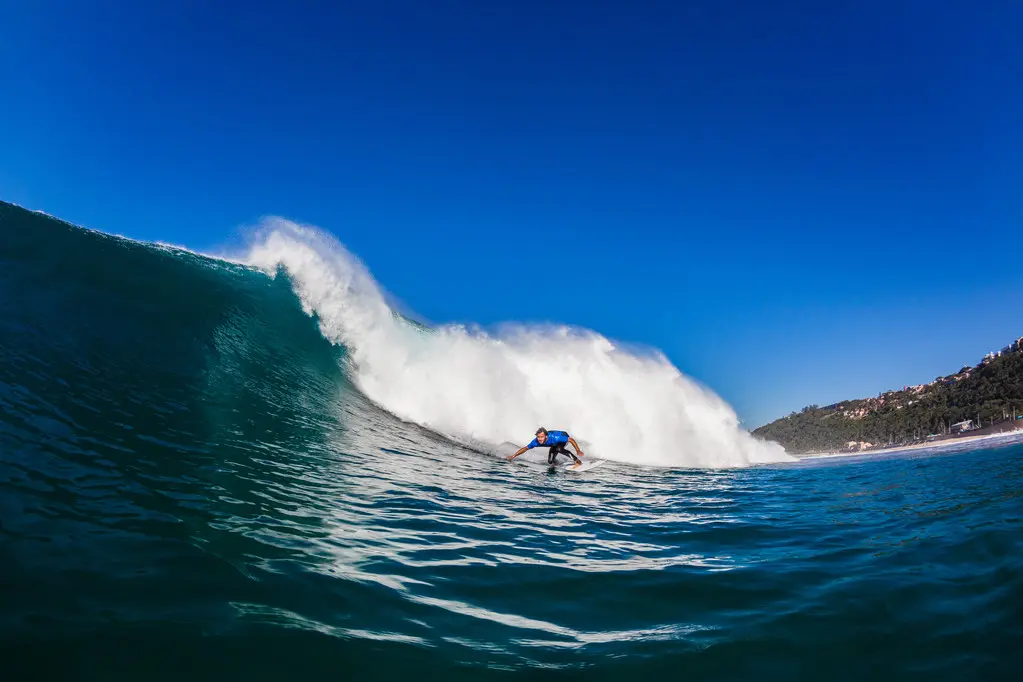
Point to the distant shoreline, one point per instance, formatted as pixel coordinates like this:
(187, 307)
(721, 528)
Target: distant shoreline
(1004, 434)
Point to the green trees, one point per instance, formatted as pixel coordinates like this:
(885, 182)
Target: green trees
(989, 392)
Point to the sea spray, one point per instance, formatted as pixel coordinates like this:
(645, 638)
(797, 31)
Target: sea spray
(495, 388)
(190, 484)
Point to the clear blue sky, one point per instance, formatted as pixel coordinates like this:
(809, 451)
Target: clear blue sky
(798, 201)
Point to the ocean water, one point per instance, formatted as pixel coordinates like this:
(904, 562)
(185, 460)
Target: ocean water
(251, 468)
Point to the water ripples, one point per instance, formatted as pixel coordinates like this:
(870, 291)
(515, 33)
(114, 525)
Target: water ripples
(226, 493)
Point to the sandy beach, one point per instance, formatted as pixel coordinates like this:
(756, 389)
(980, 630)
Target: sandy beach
(997, 438)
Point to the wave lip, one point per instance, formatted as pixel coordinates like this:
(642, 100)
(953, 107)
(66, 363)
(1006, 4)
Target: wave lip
(497, 388)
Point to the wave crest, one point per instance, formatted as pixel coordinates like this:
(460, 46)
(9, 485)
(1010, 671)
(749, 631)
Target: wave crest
(495, 389)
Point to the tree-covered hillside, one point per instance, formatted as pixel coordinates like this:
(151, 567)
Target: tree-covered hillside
(989, 393)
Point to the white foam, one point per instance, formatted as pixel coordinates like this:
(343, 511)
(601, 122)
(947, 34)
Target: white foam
(497, 388)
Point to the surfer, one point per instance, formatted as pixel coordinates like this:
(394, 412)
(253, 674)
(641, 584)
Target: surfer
(555, 440)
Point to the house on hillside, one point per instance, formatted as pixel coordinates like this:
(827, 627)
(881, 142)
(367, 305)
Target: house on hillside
(960, 427)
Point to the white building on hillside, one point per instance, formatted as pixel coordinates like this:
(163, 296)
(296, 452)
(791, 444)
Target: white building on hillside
(959, 427)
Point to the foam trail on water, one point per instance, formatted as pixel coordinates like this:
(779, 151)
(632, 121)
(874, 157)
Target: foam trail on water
(498, 388)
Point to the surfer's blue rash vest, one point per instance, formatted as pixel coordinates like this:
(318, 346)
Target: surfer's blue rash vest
(553, 438)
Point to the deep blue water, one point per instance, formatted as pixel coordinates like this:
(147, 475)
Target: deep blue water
(190, 486)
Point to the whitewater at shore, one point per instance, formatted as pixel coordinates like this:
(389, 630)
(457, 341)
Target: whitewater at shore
(985, 440)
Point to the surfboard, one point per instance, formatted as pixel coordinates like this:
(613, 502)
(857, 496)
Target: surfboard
(585, 466)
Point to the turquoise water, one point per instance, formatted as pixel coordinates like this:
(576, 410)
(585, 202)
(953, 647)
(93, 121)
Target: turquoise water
(191, 486)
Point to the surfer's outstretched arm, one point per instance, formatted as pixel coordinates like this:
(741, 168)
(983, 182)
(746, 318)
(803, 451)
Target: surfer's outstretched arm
(578, 450)
(521, 450)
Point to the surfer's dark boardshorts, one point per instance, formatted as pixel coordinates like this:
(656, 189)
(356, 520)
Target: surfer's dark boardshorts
(556, 450)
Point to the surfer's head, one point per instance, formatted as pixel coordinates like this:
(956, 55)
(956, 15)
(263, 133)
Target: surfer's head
(541, 435)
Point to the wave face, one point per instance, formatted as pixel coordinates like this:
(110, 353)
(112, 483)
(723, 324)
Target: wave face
(495, 389)
(202, 477)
